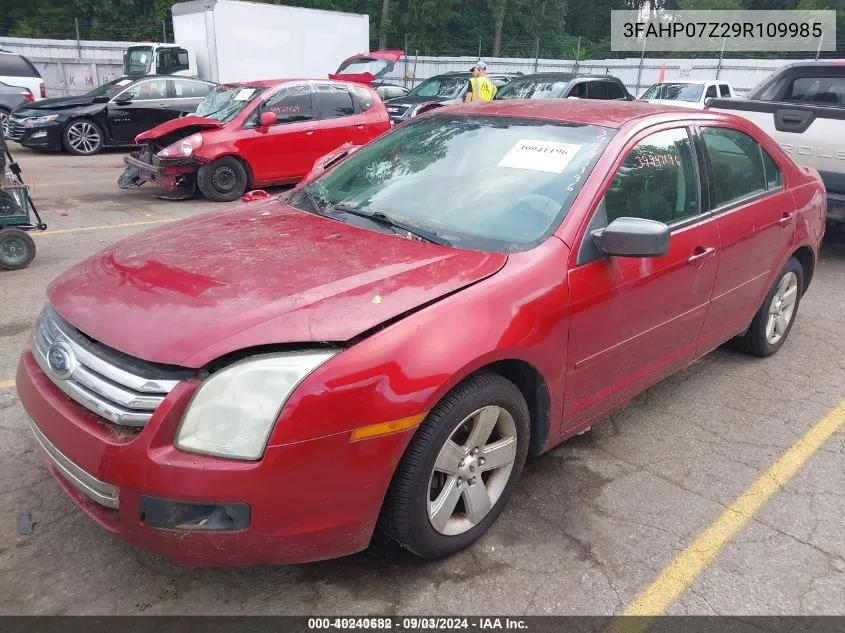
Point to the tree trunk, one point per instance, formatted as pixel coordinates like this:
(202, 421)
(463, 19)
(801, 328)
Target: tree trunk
(382, 38)
(497, 30)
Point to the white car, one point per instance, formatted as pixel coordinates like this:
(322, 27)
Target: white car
(17, 70)
(688, 93)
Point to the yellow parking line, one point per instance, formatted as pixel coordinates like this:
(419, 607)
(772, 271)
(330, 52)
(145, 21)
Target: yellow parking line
(6, 384)
(106, 226)
(682, 571)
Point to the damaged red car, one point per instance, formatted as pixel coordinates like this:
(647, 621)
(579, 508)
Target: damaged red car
(255, 134)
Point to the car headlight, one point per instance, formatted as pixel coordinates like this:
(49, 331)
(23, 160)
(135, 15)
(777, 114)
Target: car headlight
(233, 411)
(185, 147)
(40, 120)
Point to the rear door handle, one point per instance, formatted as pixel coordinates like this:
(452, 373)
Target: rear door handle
(309, 132)
(163, 105)
(359, 127)
(700, 255)
(785, 219)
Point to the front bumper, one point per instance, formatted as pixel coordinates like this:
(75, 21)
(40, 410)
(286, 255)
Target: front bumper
(306, 501)
(169, 174)
(44, 137)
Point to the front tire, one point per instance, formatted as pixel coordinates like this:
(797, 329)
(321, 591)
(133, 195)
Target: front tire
(4, 118)
(17, 249)
(83, 137)
(774, 319)
(223, 180)
(459, 469)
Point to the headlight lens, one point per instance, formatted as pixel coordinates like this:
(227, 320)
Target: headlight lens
(40, 120)
(185, 147)
(233, 412)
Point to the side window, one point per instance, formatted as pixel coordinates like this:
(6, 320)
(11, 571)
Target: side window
(597, 90)
(12, 65)
(146, 90)
(578, 91)
(824, 90)
(291, 104)
(774, 177)
(724, 91)
(333, 102)
(658, 180)
(364, 97)
(737, 163)
(711, 92)
(190, 89)
(171, 60)
(614, 90)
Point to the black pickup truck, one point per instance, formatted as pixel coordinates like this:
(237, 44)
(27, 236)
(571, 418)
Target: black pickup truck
(802, 107)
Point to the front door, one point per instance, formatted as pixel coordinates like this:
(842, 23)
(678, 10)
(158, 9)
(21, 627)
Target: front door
(756, 217)
(287, 150)
(636, 320)
(139, 108)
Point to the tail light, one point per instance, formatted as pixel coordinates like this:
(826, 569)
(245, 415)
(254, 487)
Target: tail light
(43, 90)
(27, 95)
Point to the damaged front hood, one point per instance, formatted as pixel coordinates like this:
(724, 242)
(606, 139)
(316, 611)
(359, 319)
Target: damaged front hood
(195, 290)
(188, 124)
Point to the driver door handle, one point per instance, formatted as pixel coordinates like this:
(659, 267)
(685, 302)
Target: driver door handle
(699, 256)
(785, 219)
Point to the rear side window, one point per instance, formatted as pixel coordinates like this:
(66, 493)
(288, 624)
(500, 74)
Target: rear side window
(12, 65)
(774, 178)
(190, 89)
(597, 90)
(657, 181)
(724, 90)
(365, 97)
(614, 90)
(737, 162)
(711, 92)
(291, 105)
(171, 60)
(823, 90)
(334, 102)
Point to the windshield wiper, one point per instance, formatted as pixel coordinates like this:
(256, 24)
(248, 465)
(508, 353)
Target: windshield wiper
(385, 220)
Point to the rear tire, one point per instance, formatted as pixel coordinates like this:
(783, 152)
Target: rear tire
(456, 475)
(83, 137)
(4, 117)
(223, 180)
(774, 319)
(17, 249)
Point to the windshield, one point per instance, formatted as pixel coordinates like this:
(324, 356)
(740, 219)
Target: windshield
(675, 92)
(533, 89)
(450, 87)
(225, 102)
(376, 67)
(138, 60)
(478, 182)
(110, 89)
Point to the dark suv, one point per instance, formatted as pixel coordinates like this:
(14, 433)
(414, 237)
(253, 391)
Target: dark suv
(439, 90)
(565, 85)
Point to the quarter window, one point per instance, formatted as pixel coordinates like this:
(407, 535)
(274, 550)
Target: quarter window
(334, 102)
(657, 181)
(614, 90)
(774, 178)
(291, 104)
(365, 97)
(190, 89)
(737, 163)
(724, 90)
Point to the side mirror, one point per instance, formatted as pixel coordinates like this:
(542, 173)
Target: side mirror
(633, 237)
(267, 119)
(124, 101)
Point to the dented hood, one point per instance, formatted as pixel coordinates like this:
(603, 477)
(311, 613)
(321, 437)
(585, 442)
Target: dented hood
(195, 290)
(192, 121)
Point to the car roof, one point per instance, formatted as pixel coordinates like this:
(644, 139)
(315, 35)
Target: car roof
(563, 76)
(275, 83)
(612, 114)
(691, 82)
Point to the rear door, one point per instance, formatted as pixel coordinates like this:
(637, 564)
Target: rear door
(140, 107)
(756, 217)
(187, 94)
(340, 121)
(634, 320)
(287, 150)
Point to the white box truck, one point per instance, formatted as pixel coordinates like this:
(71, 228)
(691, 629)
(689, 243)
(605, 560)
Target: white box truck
(232, 40)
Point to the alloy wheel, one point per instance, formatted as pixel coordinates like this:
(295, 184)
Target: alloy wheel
(782, 308)
(472, 470)
(84, 137)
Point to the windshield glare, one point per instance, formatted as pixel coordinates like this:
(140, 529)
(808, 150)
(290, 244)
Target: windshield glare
(441, 87)
(225, 102)
(479, 182)
(138, 60)
(533, 89)
(675, 92)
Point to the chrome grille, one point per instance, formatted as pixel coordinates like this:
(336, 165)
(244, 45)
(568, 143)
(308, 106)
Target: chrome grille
(397, 112)
(14, 129)
(80, 368)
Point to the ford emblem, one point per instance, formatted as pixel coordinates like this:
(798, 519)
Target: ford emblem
(60, 360)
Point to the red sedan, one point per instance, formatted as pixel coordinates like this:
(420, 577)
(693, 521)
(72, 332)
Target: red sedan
(254, 135)
(389, 343)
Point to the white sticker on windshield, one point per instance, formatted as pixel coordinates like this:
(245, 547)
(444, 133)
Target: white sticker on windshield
(244, 94)
(143, 58)
(123, 82)
(550, 156)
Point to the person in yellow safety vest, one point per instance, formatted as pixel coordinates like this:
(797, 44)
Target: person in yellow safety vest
(480, 87)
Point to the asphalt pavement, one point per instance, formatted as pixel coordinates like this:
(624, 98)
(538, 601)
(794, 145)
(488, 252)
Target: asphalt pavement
(685, 501)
